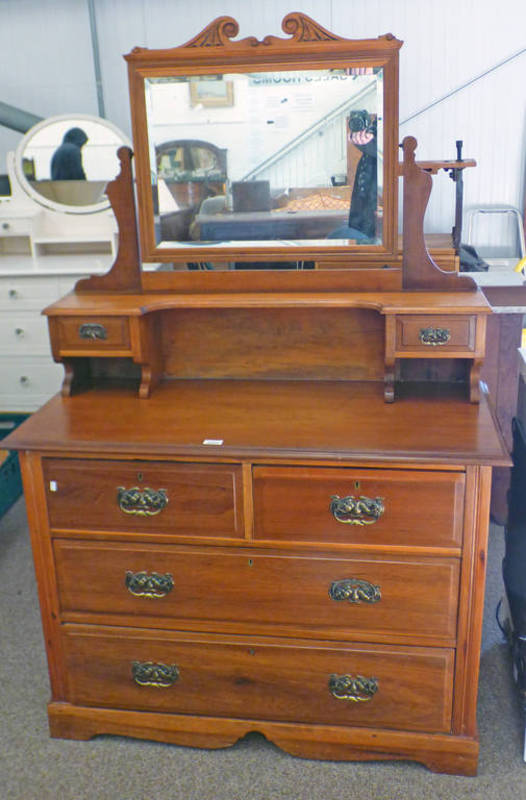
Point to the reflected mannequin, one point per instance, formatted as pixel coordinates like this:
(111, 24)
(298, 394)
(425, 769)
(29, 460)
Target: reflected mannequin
(362, 224)
(364, 202)
(66, 164)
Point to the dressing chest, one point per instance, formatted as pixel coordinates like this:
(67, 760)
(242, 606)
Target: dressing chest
(261, 500)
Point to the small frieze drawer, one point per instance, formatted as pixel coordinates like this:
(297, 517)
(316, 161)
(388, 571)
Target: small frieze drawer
(169, 498)
(367, 685)
(93, 333)
(359, 506)
(261, 590)
(433, 334)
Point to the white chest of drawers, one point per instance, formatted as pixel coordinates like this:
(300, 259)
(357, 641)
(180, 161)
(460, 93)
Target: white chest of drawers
(28, 376)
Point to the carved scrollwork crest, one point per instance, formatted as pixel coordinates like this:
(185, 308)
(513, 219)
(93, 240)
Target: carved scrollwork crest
(217, 34)
(299, 26)
(304, 29)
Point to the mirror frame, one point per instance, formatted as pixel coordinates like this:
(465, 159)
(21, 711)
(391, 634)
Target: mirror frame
(46, 202)
(309, 46)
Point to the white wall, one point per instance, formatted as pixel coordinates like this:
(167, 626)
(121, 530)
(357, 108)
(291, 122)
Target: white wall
(47, 69)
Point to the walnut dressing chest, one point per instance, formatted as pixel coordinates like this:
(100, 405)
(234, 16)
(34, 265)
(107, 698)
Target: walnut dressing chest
(247, 513)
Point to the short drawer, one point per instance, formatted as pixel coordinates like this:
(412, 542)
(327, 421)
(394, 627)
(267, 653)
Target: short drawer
(200, 500)
(359, 506)
(372, 686)
(433, 334)
(328, 596)
(87, 334)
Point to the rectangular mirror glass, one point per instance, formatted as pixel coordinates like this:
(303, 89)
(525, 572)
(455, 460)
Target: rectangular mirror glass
(266, 158)
(244, 155)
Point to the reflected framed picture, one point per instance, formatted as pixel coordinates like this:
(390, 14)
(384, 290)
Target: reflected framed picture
(211, 93)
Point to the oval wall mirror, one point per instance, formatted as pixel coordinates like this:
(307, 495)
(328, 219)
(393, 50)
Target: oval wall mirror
(64, 163)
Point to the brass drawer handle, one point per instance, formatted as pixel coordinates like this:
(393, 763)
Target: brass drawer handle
(355, 591)
(147, 673)
(93, 331)
(434, 336)
(358, 689)
(141, 502)
(140, 584)
(356, 510)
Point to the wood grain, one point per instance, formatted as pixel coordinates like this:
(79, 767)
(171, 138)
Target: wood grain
(274, 343)
(293, 504)
(439, 752)
(305, 420)
(202, 500)
(225, 678)
(265, 592)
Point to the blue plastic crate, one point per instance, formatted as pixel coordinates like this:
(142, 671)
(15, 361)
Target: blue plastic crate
(10, 478)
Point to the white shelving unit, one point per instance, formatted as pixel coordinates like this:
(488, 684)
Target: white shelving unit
(28, 375)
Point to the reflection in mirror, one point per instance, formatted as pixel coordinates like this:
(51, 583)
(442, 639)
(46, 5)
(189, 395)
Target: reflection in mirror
(265, 157)
(66, 162)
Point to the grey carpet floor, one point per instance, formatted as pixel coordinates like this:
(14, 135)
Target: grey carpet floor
(35, 767)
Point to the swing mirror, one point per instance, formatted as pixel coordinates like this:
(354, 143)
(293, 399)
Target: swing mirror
(275, 154)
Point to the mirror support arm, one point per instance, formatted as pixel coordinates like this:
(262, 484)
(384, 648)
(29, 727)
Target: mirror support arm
(419, 270)
(125, 274)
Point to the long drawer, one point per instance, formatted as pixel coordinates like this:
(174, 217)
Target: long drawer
(350, 597)
(396, 687)
(176, 499)
(359, 506)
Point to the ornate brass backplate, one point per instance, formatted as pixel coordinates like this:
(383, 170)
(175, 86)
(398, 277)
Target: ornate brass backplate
(358, 689)
(141, 502)
(434, 336)
(141, 584)
(356, 510)
(147, 673)
(355, 590)
(93, 331)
